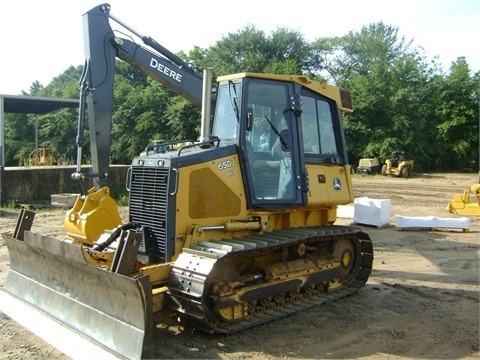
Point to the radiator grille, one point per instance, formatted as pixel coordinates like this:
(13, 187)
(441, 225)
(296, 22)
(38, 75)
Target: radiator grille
(148, 204)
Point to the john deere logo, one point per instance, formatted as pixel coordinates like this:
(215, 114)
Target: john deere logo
(337, 184)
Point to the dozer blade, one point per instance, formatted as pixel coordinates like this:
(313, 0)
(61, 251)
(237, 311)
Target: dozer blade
(50, 278)
(469, 209)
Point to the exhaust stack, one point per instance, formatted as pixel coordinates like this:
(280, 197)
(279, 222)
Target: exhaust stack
(206, 104)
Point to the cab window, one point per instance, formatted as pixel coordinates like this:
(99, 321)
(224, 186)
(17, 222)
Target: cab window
(317, 127)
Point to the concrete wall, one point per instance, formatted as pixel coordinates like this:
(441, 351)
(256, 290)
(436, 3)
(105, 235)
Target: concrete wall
(27, 184)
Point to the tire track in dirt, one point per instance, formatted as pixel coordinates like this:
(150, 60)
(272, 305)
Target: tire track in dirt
(415, 192)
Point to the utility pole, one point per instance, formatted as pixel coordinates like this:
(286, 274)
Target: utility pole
(37, 158)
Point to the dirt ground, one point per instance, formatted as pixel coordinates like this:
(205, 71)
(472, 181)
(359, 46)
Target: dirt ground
(421, 301)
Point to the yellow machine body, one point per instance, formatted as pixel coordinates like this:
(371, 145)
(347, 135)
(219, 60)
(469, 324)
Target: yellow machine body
(400, 164)
(259, 229)
(42, 156)
(467, 203)
(231, 231)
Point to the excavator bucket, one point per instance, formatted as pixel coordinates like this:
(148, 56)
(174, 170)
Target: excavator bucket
(50, 284)
(467, 203)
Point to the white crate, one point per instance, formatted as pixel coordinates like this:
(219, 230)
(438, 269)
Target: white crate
(431, 222)
(374, 212)
(345, 211)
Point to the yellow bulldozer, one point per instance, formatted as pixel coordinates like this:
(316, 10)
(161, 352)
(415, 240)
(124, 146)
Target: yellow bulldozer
(41, 156)
(231, 230)
(467, 203)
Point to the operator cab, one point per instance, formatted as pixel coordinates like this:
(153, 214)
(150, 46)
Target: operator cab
(279, 126)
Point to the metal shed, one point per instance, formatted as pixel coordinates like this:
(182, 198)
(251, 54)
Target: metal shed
(24, 104)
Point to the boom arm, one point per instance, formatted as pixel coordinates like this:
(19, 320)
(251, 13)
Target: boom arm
(102, 48)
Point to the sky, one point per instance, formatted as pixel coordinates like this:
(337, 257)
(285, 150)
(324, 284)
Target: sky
(40, 39)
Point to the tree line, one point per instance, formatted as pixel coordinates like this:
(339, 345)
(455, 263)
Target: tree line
(402, 100)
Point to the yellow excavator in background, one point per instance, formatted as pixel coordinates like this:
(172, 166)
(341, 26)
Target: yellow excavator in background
(230, 231)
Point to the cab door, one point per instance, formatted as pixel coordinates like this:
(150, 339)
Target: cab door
(270, 145)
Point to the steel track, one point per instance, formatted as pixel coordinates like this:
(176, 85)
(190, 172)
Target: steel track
(266, 310)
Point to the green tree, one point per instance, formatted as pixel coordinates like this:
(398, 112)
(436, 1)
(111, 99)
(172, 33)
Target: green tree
(283, 52)
(19, 139)
(148, 111)
(58, 129)
(401, 101)
(458, 111)
(392, 89)
(35, 88)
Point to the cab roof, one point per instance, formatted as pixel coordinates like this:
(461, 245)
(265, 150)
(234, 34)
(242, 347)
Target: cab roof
(340, 96)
